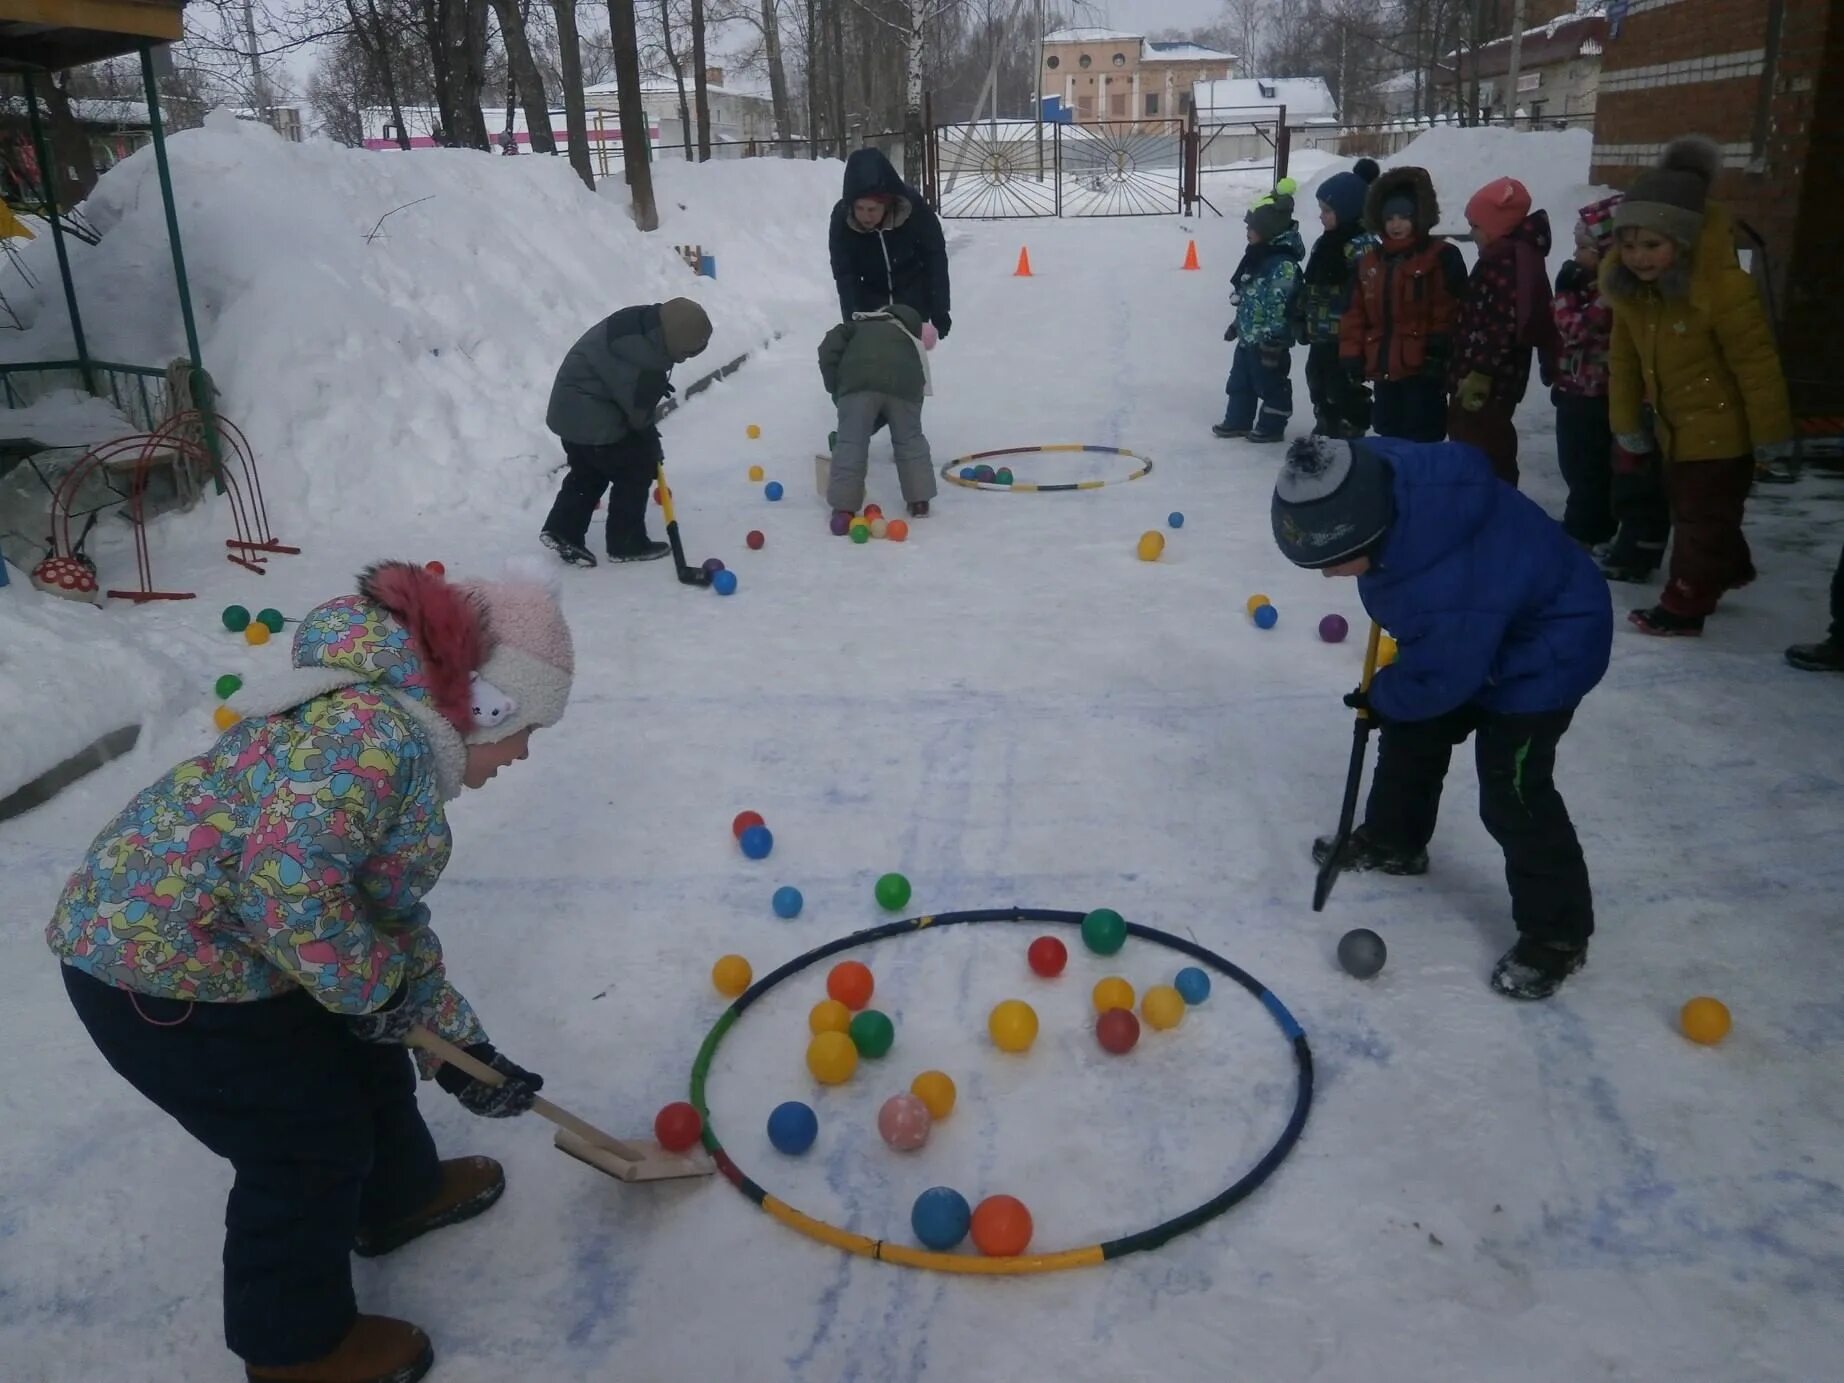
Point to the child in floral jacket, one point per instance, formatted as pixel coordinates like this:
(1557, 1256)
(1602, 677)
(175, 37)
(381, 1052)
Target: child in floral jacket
(1260, 387)
(248, 945)
(1584, 325)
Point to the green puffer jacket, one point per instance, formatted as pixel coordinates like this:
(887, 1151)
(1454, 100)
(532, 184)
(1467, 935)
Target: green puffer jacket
(876, 353)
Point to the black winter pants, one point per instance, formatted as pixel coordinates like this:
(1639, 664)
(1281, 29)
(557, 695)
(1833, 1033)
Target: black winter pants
(1518, 802)
(1413, 409)
(627, 471)
(1837, 602)
(1584, 453)
(1341, 405)
(321, 1129)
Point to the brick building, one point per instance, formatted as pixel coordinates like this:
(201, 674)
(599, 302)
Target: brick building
(1104, 74)
(1765, 80)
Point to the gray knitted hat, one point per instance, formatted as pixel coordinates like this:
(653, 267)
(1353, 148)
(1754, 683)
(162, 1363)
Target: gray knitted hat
(1669, 198)
(686, 328)
(1334, 501)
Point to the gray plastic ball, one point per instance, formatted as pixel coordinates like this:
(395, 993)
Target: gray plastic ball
(1362, 953)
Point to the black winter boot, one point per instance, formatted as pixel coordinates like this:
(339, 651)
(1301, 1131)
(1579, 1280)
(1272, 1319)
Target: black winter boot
(644, 550)
(1665, 624)
(1363, 854)
(1535, 969)
(1827, 656)
(574, 553)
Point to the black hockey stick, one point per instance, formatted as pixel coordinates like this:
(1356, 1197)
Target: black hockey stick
(1360, 741)
(688, 575)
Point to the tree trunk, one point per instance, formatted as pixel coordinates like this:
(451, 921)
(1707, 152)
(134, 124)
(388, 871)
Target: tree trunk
(835, 70)
(575, 116)
(915, 53)
(777, 77)
(634, 151)
(678, 76)
(456, 32)
(375, 44)
(813, 87)
(525, 76)
(701, 81)
(73, 170)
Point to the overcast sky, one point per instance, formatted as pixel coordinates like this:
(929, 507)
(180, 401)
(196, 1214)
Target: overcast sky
(1141, 15)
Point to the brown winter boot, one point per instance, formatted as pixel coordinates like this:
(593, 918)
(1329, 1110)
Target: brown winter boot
(469, 1186)
(376, 1350)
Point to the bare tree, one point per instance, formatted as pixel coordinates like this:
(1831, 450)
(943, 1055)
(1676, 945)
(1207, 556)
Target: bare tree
(701, 80)
(525, 76)
(777, 77)
(678, 76)
(575, 116)
(635, 155)
(456, 32)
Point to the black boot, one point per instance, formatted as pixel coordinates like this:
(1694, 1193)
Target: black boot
(574, 553)
(1827, 656)
(1630, 558)
(1363, 854)
(1225, 431)
(1535, 969)
(1665, 624)
(644, 549)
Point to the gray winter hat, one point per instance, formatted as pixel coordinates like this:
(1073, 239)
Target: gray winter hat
(686, 328)
(1333, 501)
(1669, 199)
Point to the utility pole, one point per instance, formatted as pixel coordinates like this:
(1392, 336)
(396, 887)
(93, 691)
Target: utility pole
(1517, 57)
(259, 83)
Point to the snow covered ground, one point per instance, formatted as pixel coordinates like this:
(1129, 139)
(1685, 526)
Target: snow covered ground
(1008, 708)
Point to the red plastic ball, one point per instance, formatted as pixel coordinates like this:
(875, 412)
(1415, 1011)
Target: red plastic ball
(1001, 1227)
(1048, 956)
(677, 1126)
(1117, 1030)
(755, 539)
(435, 568)
(744, 820)
(850, 982)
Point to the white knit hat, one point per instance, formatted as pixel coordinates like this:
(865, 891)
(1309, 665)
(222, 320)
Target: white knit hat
(525, 680)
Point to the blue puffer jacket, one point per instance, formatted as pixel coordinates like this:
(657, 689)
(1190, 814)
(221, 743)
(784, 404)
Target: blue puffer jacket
(1264, 287)
(1490, 602)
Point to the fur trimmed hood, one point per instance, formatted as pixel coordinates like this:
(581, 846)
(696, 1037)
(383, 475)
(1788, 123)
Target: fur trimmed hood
(1415, 183)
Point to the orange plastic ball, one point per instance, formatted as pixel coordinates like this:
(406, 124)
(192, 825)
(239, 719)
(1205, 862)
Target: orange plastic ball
(851, 984)
(896, 530)
(828, 1015)
(224, 717)
(731, 975)
(256, 633)
(1001, 1227)
(1705, 1020)
(936, 1090)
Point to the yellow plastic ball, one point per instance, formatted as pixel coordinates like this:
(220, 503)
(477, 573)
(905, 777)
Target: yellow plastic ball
(1013, 1025)
(256, 632)
(753, 431)
(731, 975)
(224, 717)
(1255, 602)
(756, 472)
(1113, 992)
(1163, 1007)
(935, 1090)
(1705, 1020)
(1152, 543)
(828, 1015)
(832, 1058)
(1386, 651)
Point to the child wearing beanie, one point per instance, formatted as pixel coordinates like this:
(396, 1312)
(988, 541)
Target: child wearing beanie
(1502, 626)
(603, 404)
(1399, 328)
(1578, 388)
(1341, 405)
(248, 946)
(1504, 314)
(1260, 386)
(1691, 342)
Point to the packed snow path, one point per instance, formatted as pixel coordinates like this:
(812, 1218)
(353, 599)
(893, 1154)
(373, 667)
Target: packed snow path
(1011, 708)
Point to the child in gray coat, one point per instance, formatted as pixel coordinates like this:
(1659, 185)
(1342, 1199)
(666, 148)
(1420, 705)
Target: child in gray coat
(875, 368)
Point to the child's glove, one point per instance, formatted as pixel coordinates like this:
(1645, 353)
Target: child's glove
(512, 1096)
(1359, 700)
(943, 324)
(1230, 333)
(1274, 357)
(1474, 390)
(1353, 366)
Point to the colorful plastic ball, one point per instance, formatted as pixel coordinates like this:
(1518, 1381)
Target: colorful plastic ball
(829, 1015)
(731, 975)
(968, 473)
(892, 892)
(724, 583)
(677, 1126)
(1333, 628)
(1362, 952)
(1001, 1227)
(742, 821)
(1002, 476)
(787, 901)
(257, 633)
(872, 1033)
(851, 983)
(756, 473)
(903, 1122)
(897, 530)
(656, 496)
(1162, 1007)
(873, 512)
(1386, 651)
(1047, 957)
(1104, 931)
(773, 491)
(273, 619)
(936, 1090)
(1192, 984)
(713, 565)
(1704, 1020)
(227, 686)
(224, 717)
(236, 618)
(1152, 543)
(1175, 519)
(840, 523)
(1110, 993)
(757, 841)
(940, 1218)
(792, 1127)
(879, 528)
(1117, 1031)
(1255, 602)
(752, 432)
(861, 533)
(984, 474)
(1266, 616)
(754, 540)
(831, 1058)
(1012, 1025)
(435, 568)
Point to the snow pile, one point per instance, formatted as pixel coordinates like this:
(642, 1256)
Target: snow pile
(67, 418)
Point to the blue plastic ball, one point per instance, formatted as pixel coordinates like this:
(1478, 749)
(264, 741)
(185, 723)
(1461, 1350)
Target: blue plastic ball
(792, 1127)
(966, 472)
(941, 1217)
(724, 583)
(1175, 519)
(788, 901)
(757, 842)
(1266, 616)
(1192, 984)
(773, 490)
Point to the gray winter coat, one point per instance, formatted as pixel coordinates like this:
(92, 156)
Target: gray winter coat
(612, 380)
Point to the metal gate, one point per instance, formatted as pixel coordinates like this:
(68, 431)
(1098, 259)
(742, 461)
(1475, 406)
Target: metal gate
(1238, 141)
(998, 169)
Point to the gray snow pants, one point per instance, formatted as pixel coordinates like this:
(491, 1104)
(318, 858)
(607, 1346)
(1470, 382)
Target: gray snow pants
(858, 418)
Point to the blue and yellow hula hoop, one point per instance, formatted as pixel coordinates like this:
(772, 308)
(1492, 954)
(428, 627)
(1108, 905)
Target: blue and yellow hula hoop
(951, 471)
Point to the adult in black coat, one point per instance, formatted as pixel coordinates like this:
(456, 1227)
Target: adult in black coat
(887, 245)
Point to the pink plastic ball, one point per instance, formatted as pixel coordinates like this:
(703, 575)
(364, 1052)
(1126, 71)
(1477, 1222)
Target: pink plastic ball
(904, 1122)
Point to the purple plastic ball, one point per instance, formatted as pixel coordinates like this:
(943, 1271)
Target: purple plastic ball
(841, 523)
(713, 565)
(1333, 629)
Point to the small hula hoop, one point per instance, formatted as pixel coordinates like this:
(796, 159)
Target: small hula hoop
(950, 472)
(910, 1257)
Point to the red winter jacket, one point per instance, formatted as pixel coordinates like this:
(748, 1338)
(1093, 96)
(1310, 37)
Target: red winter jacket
(1506, 313)
(1584, 332)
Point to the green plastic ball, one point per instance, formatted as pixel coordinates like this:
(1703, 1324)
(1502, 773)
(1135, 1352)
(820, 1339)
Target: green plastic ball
(272, 618)
(1104, 931)
(236, 618)
(892, 892)
(861, 533)
(227, 685)
(872, 1033)
(1004, 476)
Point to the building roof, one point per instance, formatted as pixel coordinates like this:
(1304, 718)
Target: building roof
(51, 35)
(1183, 52)
(1563, 38)
(1092, 36)
(1305, 97)
(91, 110)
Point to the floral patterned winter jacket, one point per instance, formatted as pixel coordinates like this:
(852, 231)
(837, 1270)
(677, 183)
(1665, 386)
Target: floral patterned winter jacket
(1584, 328)
(294, 852)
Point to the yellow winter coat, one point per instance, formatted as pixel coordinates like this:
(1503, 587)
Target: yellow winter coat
(1696, 347)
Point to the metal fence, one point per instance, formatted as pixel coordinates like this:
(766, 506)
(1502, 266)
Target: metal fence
(996, 169)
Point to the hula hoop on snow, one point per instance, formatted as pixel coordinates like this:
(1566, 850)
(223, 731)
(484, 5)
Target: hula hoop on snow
(910, 1257)
(951, 471)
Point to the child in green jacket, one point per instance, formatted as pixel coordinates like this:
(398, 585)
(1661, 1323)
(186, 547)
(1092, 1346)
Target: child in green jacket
(876, 370)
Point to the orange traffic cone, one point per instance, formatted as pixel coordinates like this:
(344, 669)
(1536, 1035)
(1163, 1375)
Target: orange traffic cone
(1191, 255)
(1023, 271)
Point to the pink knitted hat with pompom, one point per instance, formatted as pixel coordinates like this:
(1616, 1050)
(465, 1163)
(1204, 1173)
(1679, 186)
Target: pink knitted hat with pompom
(532, 660)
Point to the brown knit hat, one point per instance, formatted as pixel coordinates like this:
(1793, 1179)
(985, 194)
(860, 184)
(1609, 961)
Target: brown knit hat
(1669, 198)
(685, 326)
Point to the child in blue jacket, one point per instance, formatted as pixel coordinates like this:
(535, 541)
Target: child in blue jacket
(1260, 387)
(1502, 624)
